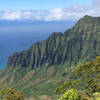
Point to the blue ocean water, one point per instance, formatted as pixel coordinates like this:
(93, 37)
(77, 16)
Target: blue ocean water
(2, 66)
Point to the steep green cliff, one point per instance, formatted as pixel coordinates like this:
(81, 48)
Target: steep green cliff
(79, 43)
(48, 63)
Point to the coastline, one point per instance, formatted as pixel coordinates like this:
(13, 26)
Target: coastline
(2, 66)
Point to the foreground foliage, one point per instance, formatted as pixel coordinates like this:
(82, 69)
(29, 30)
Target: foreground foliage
(9, 94)
(70, 95)
(86, 79)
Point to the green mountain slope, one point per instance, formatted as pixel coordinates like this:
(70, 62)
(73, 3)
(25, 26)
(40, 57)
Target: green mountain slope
(40, 69)
(80, 42)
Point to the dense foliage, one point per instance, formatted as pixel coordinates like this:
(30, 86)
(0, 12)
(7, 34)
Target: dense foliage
(9, 94)
(86, 78)
(70, 95)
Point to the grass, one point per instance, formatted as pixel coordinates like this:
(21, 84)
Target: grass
(43, 82)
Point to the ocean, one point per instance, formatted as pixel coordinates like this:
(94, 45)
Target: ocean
(2, 66)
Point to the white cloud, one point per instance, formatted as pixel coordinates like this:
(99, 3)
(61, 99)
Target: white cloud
(10, 15)
(72, 12)
(54, 14)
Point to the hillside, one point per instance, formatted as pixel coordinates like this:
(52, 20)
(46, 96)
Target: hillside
(89, 89)
(40, 69)
(72, 46)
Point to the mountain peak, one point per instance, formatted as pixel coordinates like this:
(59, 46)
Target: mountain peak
(87, 16)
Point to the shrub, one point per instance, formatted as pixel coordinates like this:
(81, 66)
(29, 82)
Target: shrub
(9, 94)
(96, 96)
(71, 94)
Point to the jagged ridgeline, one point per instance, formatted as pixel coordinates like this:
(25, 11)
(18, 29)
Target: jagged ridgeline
(38, 70)
(77, 44)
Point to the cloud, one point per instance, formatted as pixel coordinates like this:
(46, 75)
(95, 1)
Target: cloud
(54, 14)
(10, 15)
(73, 12)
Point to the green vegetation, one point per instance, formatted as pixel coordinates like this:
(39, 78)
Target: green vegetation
(9, 94)
(96, 96)
(70, 95)
(51, 62)
(43, 80)
(86, 80)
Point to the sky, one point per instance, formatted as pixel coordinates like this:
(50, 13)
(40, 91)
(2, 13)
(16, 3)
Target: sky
(39, 4)
(48, 10)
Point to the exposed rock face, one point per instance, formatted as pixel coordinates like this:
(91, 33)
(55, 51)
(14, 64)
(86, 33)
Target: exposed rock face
(80, 43)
